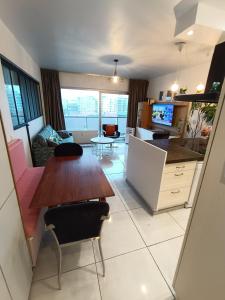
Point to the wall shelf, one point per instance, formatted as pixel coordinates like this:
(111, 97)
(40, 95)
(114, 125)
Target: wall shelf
(207, 97)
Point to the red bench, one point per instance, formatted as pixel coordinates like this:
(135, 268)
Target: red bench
(27, 180)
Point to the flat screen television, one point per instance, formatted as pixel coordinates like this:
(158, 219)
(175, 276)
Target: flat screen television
(162, 113)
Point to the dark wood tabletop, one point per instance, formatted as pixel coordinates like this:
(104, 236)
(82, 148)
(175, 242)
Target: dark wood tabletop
(71, 179)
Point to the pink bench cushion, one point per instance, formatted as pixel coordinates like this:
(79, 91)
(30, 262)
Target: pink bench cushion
(26, 188)
(17, 158)
(27, 180)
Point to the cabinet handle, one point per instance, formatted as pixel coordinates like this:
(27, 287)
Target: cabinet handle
(181, 167)
(176, 192)
(180, 174)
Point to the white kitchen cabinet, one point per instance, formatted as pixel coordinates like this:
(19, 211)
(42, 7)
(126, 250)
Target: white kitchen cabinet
(161, 185)
(194, 184)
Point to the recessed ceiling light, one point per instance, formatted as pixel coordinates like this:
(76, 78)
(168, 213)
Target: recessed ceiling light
(190, 32)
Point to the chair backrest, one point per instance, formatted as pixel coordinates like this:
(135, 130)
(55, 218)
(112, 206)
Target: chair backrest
(105, 125)
(110, 129)
(77, 222)
(68, 149)
(160, 135)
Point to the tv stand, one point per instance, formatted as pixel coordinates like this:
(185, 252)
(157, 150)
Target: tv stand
(144, 118)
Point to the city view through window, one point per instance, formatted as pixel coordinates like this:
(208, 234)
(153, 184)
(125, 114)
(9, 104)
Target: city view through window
(82, 109)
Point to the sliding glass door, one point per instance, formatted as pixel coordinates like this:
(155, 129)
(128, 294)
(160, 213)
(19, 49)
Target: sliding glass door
(114, 110)
(87, 109)
(81, 109)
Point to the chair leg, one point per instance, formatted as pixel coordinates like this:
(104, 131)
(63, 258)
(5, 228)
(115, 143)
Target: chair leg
(101, 253)
(59, 259)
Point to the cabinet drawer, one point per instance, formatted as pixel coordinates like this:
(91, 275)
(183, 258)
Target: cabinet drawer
(173, 197)
(169, 168)
(177, 179)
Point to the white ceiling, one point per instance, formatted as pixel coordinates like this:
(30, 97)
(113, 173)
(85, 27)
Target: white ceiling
(85, 35)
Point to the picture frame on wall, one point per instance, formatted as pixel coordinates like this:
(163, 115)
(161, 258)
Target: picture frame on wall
(169, 95)
(161, 93)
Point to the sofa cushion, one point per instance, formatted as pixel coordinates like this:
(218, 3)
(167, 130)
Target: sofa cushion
(42, 150)
(26, 188)
(41, 139)
(17, 158)
(67, 140)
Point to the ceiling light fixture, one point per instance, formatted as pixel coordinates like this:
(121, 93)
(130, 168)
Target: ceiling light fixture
(115, 76)
(190, 32)
(175, 86)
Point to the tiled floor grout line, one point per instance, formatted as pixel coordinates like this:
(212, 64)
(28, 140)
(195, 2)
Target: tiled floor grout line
(121, 254)
(173, 238)
(177, 222)
(128, 210)
(63, 272)
(167, 283)
(152, 257)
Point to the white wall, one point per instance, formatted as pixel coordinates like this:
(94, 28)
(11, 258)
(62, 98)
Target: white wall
(13, 50)
(95, 82)
(201, 272)
(189, 78)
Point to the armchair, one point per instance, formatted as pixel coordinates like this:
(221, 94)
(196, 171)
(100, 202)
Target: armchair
(111, 131)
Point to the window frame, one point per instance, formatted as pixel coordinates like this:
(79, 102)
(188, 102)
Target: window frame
(100, 91)
(32, 108)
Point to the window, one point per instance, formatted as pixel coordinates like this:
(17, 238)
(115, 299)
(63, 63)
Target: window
(81, 109)
(86, 109)
(114, 110)
(23, 94)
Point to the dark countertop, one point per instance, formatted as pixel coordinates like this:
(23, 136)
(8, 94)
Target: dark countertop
(182, 150)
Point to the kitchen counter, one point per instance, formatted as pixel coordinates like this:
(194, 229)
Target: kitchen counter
(165, 172)
(181, 150)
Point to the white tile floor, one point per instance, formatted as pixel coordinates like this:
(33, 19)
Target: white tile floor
(140, 251)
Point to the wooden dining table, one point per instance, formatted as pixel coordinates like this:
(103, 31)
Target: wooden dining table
(71, 180)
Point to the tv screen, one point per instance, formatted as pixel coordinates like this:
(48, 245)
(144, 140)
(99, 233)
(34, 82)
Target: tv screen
(162, 114)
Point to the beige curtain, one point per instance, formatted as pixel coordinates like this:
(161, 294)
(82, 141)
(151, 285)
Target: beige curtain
(137, 93)
(52, 99)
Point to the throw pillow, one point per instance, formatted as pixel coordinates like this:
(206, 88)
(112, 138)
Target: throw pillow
(53, 141)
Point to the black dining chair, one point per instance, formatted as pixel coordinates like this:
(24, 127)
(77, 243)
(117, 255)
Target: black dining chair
(68, 149)
(72, 223)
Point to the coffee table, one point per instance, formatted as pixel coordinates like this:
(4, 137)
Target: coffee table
(99, 143)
